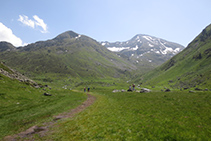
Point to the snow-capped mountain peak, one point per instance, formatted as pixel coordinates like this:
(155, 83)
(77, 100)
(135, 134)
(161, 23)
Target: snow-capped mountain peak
(145, 47)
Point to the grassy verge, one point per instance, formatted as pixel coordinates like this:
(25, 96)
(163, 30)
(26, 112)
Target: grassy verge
(135, 116)
(23, 106)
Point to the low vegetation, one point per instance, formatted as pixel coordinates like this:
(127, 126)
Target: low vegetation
(135, 116)
(23, 106)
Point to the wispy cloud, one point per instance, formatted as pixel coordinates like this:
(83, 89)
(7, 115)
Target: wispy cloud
(40, 22)
(7, 35)
(36, 22)
(26, 21)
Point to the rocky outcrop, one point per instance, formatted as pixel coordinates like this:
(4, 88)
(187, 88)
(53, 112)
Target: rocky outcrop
(8, 72)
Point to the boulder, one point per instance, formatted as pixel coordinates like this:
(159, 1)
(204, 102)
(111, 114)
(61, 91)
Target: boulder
(114, 91)
(129, 90)
(167, 90)
(123, 90)
(47, 94)
(145, 90)
(197, 89)
(185, 88)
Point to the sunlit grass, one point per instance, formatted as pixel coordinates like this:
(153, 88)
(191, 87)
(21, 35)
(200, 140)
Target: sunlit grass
(135, 116)
(23, 106)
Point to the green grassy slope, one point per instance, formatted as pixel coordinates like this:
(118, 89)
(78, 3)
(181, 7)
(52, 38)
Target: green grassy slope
(69, 54)
(189, 68)
(23, 106)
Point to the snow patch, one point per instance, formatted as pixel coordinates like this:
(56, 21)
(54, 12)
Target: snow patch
(78, 36)
(158, 52)
(177, 50)
(148, 38)
(103, 44)
(135, 48)
(117, 49)
(168, 49)
(151, 45)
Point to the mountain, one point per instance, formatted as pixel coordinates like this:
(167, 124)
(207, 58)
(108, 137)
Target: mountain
(188, 69)
(67, 55)
(145, 49)
(5, 46)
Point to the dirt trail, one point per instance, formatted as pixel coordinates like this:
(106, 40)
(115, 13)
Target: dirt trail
(44, 129)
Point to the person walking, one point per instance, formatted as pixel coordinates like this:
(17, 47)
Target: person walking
(133, 87)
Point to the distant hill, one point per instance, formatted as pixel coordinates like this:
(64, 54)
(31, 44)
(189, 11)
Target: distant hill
(188, 69)
(5, 46)
(69, 54)
(145, 50)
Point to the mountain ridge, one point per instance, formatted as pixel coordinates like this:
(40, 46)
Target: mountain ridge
(189, 68)
(70, 54)
(142, 49)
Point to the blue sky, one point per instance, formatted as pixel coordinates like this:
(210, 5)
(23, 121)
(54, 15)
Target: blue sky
(180, 21)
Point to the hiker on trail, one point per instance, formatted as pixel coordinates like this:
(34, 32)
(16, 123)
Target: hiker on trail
(88, 89)
(129, 90)
(84, 89)
(133, 87)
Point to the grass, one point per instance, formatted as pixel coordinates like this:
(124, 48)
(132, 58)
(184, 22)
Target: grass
(114, 116)
(23, 106)
(135, 116)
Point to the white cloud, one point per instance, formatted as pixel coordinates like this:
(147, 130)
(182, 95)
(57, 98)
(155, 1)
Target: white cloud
(40, 22)
(26, 21)
(37, 22)
(7, 35)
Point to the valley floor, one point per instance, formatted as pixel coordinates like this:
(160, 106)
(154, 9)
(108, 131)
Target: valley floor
(135, 116)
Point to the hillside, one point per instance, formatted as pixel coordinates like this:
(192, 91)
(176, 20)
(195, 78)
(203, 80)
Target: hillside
(67, 55)
(145, 50)
(5, 46)
(14, 75)
(190, 68)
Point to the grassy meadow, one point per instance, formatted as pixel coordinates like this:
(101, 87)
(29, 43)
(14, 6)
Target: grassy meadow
(176, 115)
(23, 106)
(139, 116)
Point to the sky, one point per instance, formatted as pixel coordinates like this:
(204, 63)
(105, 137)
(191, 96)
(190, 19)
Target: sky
(23, 22)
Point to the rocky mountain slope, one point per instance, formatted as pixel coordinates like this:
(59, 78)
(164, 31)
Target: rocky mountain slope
(145, 49)
(70, 55)
(12, 74)
(189, 68)
(5, 46)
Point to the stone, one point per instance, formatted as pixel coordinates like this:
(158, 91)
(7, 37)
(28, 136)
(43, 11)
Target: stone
(129, 90)
(47, 94)
(145, 90)
(197, 89)
(123, 90)
(114, 91)
(167, 90)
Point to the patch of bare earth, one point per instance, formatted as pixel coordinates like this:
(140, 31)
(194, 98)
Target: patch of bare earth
(41, 131)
